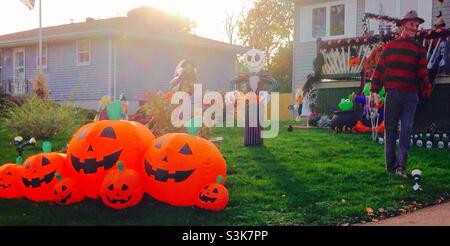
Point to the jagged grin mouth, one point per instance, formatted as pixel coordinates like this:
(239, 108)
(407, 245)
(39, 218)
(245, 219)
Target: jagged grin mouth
(64, 200)
(5, 186)
(163, 175)
(91, 165)
(121, 201)
(36, 182)
(206, 198)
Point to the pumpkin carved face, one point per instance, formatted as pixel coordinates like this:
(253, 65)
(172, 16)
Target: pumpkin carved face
(122, 188)
(96, 147)
(68, 191)
(177, 166)
(10, 186)
(38, 176)
(213, 197)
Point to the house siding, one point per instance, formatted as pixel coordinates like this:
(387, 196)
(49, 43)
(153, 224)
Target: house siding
(305, 53)
(445, 11)
(64, 77)
(145, 65)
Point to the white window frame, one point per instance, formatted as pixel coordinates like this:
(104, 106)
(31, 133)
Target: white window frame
(79, 63)
(349, 26)
(424, 10)
(44, 54)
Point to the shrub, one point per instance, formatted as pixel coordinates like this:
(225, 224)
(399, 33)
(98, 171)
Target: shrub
(40, 118)
(40, 87)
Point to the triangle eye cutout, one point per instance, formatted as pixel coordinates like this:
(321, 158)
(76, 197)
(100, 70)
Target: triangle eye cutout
(186, 150)
(165, 158)
(158, 145)
(108, 132)
(45, 161)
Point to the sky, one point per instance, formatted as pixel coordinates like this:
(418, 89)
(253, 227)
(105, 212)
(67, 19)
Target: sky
(208, 14)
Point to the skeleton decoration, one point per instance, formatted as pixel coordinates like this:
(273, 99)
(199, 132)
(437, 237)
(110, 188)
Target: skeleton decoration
(257, 82)
(419, 143)
(440, 144)
(437, 137)
(429, 144)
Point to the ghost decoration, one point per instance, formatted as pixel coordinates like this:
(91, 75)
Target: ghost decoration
(419, 143)
(440, 144)
(429, 144)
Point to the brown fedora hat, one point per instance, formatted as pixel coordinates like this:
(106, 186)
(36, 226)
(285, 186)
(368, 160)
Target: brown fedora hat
(411, 15)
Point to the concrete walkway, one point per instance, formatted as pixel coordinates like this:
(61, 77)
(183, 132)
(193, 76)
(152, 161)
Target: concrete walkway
(438, 215)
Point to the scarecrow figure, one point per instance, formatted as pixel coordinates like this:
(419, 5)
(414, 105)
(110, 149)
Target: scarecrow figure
(261, 85)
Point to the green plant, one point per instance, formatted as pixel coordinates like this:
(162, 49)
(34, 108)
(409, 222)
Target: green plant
(40, 118)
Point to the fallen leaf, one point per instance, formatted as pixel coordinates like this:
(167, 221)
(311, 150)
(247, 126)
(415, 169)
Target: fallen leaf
(369, 211)
(346, 224)
(283, 195)
(402, 186)
(343, 201)
(362, 221)
(381, 210)
(374, 220)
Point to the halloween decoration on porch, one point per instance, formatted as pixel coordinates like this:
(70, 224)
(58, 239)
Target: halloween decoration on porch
(178, 166)
(122, 188)
(67, 191)
(257, 87)
(10, 180)
(38, 175)
(96, 147)
(213, 197)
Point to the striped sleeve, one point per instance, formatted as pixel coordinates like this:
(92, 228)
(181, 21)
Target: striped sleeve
(422, 74)
(377, 76)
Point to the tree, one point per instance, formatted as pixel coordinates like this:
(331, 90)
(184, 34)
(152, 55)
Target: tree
(268, 26)
(161, 20)
(281, 67)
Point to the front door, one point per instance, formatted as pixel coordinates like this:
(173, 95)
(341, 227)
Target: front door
(19, 71)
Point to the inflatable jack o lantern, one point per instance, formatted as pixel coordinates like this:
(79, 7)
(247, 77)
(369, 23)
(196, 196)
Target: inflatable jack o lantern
(96, 147)
(178, 165)
(38, 176)
(10, 186)
(122, 188)
(213, 197)
(67, 191)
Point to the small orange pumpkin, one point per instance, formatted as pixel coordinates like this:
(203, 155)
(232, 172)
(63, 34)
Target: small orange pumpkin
(213, 197)
(67, 191)
(38, 176)
(96, 147)
(10, 186)
(122, 188)
(178, 165)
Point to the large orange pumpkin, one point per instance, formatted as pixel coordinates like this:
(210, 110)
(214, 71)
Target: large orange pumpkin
(96, 147)
(178, 165)
(10, 186)
(38, 176)
(122, 188)
(213, 197)
(67, 191)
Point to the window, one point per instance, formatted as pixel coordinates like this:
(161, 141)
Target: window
(83, 52)
(396, 8)
(330, 20)
(319, 28)
(44, 56)
(337, 20)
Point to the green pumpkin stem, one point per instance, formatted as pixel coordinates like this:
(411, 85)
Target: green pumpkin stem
(219, 179)
(58, 176)
(19, 160)
(46, 147)
(120, 166)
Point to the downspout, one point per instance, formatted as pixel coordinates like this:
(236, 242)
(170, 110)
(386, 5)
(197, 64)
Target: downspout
(115, 68)
(110, 68)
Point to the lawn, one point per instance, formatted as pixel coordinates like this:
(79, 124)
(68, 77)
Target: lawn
(304, 177)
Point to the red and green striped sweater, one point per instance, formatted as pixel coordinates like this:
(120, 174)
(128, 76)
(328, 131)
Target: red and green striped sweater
(402, 65)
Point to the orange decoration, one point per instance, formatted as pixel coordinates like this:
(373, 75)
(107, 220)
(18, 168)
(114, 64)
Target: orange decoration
(178, 165)
(10, 179)
(122, 188)
(68, 191)
(360, 127)
(96, 147)
(213, 197)
(38, 176)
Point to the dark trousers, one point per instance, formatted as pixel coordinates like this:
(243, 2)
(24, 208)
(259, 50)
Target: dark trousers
(399, 105)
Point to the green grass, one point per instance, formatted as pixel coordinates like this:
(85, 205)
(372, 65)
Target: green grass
(298, 178)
